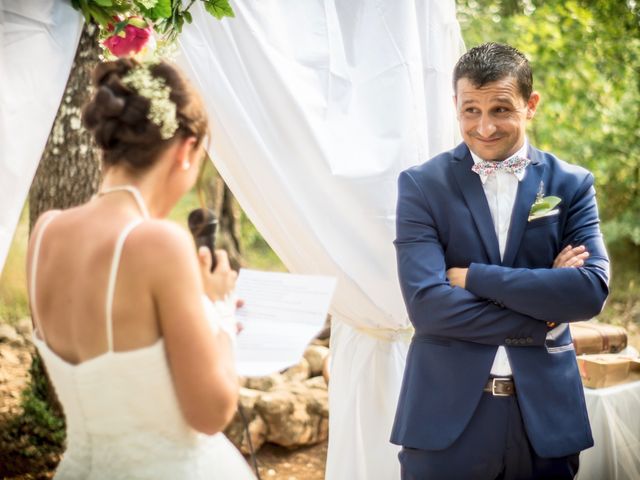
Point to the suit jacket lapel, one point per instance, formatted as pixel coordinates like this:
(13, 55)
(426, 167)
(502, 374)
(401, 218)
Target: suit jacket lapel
(476, 200)
(527, 190)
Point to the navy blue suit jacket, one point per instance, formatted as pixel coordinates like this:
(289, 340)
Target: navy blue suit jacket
(443, 221)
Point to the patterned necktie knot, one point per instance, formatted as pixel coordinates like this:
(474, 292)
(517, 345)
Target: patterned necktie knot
(515, 165)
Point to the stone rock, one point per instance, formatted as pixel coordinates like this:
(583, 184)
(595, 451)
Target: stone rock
(316, 382)
(8, 355)
(315, 355)
(326, 368)
(24, 327)
(298, 373)
(326, 329)
(8, 334)
(323, 342)
(295, 416)
(257, 427)
(266, 383)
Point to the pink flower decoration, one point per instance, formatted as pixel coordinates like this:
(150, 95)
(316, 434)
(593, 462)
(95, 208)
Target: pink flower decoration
(134, 40)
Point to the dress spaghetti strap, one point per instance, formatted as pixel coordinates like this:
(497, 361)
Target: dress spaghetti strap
(117, 253)
(34, 270)
(113, 273)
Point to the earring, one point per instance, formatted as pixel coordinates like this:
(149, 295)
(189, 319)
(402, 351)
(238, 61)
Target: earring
(186, 166)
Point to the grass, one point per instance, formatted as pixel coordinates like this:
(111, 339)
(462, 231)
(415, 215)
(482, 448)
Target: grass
(13, 280)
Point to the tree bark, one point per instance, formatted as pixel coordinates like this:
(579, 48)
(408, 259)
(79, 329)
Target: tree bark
(69, 171)
(68, 174)
(222, 202)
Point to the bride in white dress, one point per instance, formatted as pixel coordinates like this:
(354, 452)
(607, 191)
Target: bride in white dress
(138, 352)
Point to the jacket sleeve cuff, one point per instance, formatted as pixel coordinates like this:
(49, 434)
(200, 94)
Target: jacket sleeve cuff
(481, 283)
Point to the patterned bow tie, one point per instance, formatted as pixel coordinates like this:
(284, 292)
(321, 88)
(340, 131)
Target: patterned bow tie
(515, 165)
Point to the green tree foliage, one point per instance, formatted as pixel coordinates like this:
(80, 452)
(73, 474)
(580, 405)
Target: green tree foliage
(586, 61)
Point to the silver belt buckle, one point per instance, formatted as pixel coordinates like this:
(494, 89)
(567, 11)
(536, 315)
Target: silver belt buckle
(493, 387)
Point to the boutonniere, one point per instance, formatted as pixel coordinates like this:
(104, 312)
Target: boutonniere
(544, 206)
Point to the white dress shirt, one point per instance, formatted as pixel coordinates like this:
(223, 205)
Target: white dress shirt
(501, 188)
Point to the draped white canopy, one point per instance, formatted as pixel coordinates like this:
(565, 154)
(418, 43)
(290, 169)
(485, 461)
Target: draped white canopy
(316, 106)
(38, 41)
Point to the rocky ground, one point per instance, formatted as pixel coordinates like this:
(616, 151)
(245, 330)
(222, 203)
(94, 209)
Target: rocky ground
(20, 459)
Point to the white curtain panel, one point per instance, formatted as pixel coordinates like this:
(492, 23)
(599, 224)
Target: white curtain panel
(615, 423)
(38, 40)
(316, 106)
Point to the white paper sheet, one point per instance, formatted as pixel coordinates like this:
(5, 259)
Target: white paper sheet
(282, 313)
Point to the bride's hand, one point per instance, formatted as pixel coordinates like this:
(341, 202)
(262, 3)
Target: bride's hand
(219, 284)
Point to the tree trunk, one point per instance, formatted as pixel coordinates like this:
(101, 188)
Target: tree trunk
(69, 171)
(222, 202)
(68, 174)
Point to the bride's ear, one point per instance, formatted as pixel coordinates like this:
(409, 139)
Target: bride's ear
(184, 152)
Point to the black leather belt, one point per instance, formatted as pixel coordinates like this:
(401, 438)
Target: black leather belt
(500, 387)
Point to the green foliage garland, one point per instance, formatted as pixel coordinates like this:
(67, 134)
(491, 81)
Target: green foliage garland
(167, 16)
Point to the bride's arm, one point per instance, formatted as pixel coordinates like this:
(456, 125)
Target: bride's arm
(200, 359)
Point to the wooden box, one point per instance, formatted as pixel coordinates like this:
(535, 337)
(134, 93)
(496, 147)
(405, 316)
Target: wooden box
(599, 371)
(590, 338)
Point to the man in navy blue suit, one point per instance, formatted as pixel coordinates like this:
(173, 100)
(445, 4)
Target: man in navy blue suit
(498, 247)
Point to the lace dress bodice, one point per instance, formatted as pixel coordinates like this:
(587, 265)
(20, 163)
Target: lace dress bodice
(122, 414)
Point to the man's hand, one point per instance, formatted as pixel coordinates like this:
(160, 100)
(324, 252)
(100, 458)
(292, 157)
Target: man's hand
(571, 257)
(457, 276)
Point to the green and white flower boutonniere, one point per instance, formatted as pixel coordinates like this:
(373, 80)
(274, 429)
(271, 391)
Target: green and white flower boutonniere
(544, 206)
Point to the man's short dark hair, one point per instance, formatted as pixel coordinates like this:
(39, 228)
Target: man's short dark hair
(491, 62)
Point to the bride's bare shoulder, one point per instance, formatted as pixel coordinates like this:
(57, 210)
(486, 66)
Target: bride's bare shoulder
(162, 239)
(43, 219)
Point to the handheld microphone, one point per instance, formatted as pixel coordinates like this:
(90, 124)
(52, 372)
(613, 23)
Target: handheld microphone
(203, 224)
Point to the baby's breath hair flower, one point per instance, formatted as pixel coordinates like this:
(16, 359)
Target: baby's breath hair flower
(162, 111)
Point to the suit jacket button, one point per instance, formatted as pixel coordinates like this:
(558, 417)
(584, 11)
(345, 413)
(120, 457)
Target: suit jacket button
(508, 341)
(529, 340)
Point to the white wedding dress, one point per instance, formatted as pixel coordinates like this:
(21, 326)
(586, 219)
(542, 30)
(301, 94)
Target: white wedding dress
(122, 414)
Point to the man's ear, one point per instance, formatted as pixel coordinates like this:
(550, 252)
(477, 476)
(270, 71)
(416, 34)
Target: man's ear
(532, 104)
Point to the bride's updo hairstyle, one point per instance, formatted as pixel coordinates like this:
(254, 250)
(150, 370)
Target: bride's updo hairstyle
(119, 116)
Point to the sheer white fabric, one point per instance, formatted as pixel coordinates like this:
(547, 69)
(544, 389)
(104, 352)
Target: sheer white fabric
(316, 107)
(38, 41)
(613, 414)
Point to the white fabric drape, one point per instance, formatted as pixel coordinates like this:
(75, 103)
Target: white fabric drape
(38, 40)
(615, 422)
(317, 105)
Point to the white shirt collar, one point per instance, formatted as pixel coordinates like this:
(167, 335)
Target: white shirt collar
(520, 153)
